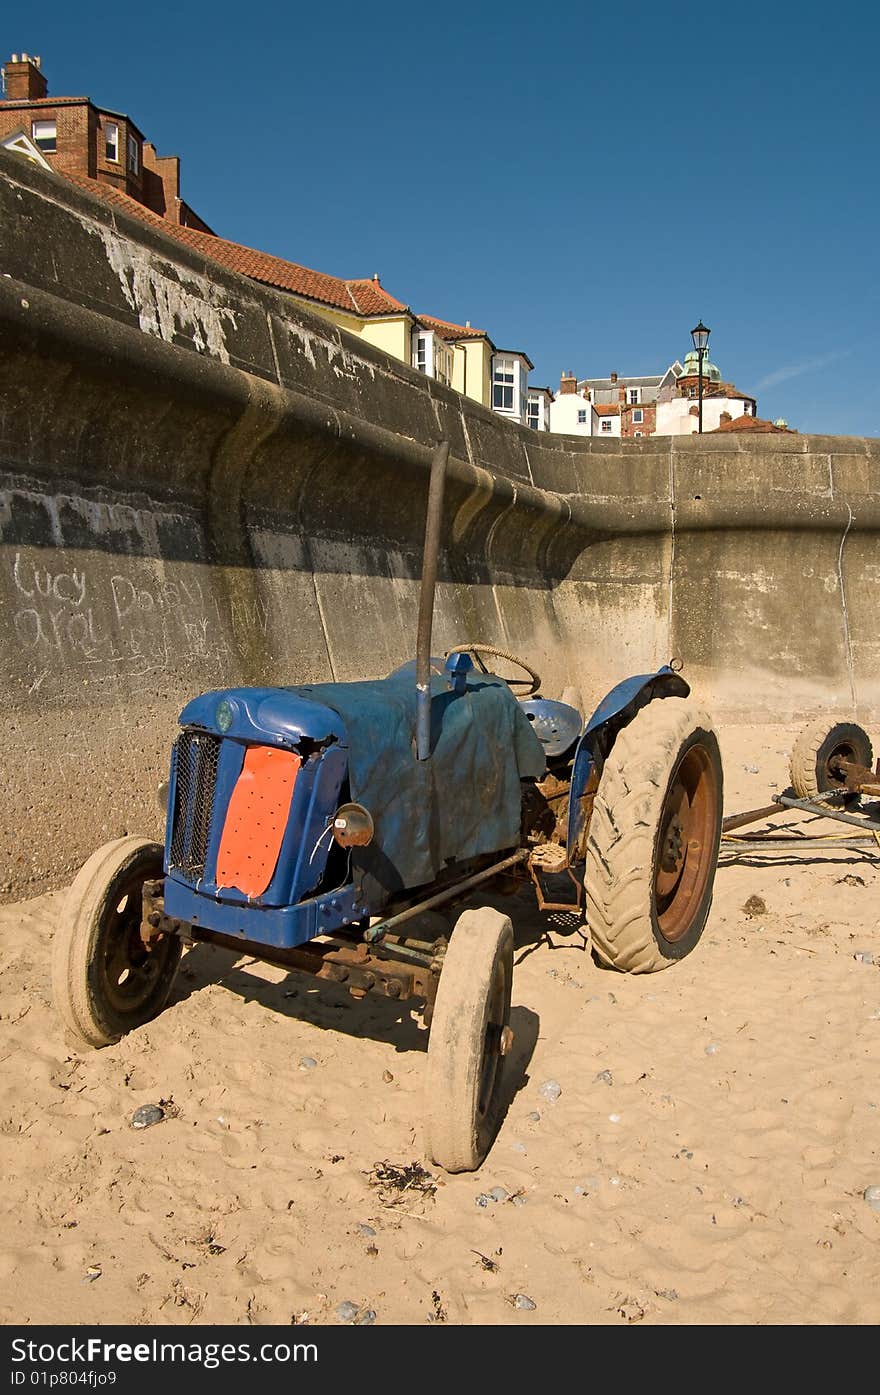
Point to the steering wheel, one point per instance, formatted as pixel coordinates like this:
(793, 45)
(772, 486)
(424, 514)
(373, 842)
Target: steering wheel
(532, 683)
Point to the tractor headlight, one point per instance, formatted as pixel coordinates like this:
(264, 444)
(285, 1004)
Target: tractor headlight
(353, 826)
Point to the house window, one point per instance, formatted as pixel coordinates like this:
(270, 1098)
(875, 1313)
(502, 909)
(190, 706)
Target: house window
(637, 433)
(442, 361)
(503, 377)
(111, 141)
(533, 413)
(606, 423)
(134, 163)
(638, 415)
(582, 416)
(748, 411)
(634, 394)
(45, 135)
(420, 356)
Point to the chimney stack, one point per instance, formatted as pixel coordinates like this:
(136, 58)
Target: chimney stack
(568, 383)
(725, 416)
(23, 79)
(614, 377)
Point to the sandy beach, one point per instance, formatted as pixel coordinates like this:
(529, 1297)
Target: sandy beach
(705, 1161)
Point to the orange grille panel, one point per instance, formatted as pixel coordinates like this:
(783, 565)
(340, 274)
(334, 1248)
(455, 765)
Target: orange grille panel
(256, 819)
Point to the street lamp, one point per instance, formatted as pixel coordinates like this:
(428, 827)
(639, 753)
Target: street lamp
(700, 336)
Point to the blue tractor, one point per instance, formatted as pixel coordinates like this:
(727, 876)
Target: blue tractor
(316, 826)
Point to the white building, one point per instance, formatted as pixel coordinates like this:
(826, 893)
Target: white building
(679, 415)
(571, 412)
(659, 404)
(539, 401)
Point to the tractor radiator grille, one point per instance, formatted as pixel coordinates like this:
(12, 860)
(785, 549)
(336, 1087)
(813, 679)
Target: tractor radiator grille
(198, 754)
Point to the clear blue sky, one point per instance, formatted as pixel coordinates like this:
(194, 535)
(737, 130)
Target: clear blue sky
(584, 182)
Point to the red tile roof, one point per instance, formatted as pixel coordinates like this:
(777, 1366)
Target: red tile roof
(609, 410)
(447, 330)
(363, 297)
(747, 423)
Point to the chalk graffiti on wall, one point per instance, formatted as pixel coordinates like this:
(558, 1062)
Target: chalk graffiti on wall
(124, 621)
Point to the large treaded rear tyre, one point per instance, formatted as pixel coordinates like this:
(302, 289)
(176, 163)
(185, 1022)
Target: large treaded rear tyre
(465, 1048)
(653, 841)
(104, 981)
(811, 765)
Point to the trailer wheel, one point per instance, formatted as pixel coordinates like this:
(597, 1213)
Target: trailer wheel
(813, 756)
(466, 1045)
(653, 839)
(105, 982)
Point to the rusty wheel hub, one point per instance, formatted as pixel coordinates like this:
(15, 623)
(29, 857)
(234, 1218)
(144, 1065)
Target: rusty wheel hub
(685, 847)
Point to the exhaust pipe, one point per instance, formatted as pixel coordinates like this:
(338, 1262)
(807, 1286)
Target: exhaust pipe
(433, 521)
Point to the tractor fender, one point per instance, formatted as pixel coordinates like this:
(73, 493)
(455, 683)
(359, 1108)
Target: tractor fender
(615, 711)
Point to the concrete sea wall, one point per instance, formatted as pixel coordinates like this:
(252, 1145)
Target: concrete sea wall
(201, 484)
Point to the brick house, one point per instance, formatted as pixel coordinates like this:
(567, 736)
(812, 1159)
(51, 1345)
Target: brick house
(76, 137)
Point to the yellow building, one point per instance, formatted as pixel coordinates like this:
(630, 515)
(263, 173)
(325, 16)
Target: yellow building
(462, 357)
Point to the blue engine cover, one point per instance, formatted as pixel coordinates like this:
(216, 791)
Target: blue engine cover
(462, 803)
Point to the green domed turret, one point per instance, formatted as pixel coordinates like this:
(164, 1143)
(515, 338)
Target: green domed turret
(692, 368)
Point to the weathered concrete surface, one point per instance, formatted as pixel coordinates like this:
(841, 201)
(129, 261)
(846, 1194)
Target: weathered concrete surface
(205, 485)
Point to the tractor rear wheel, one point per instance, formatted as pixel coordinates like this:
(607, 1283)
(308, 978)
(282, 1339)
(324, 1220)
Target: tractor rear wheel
(652, 846)
(814, 755)
(105, 981)
(468, 1041)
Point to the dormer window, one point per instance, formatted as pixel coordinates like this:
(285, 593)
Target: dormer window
(45, 135)
(134, 156)
(432, 356)
(510, 384)
(111, 141)
(635, 395)
(503, 380)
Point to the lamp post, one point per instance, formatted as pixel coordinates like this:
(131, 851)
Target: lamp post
(700, 336)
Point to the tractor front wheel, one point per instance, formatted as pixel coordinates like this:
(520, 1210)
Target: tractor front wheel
(653, 841)
(468, 1041)
(105, 981)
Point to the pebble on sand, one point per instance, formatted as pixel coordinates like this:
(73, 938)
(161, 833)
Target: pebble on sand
(347, 1311)
(307, 1063)
(147, 1115)
(522, 1300)
(605, 1077)
(712, 1049)
(865, 956)
(872, 1196)
(550, 1091)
